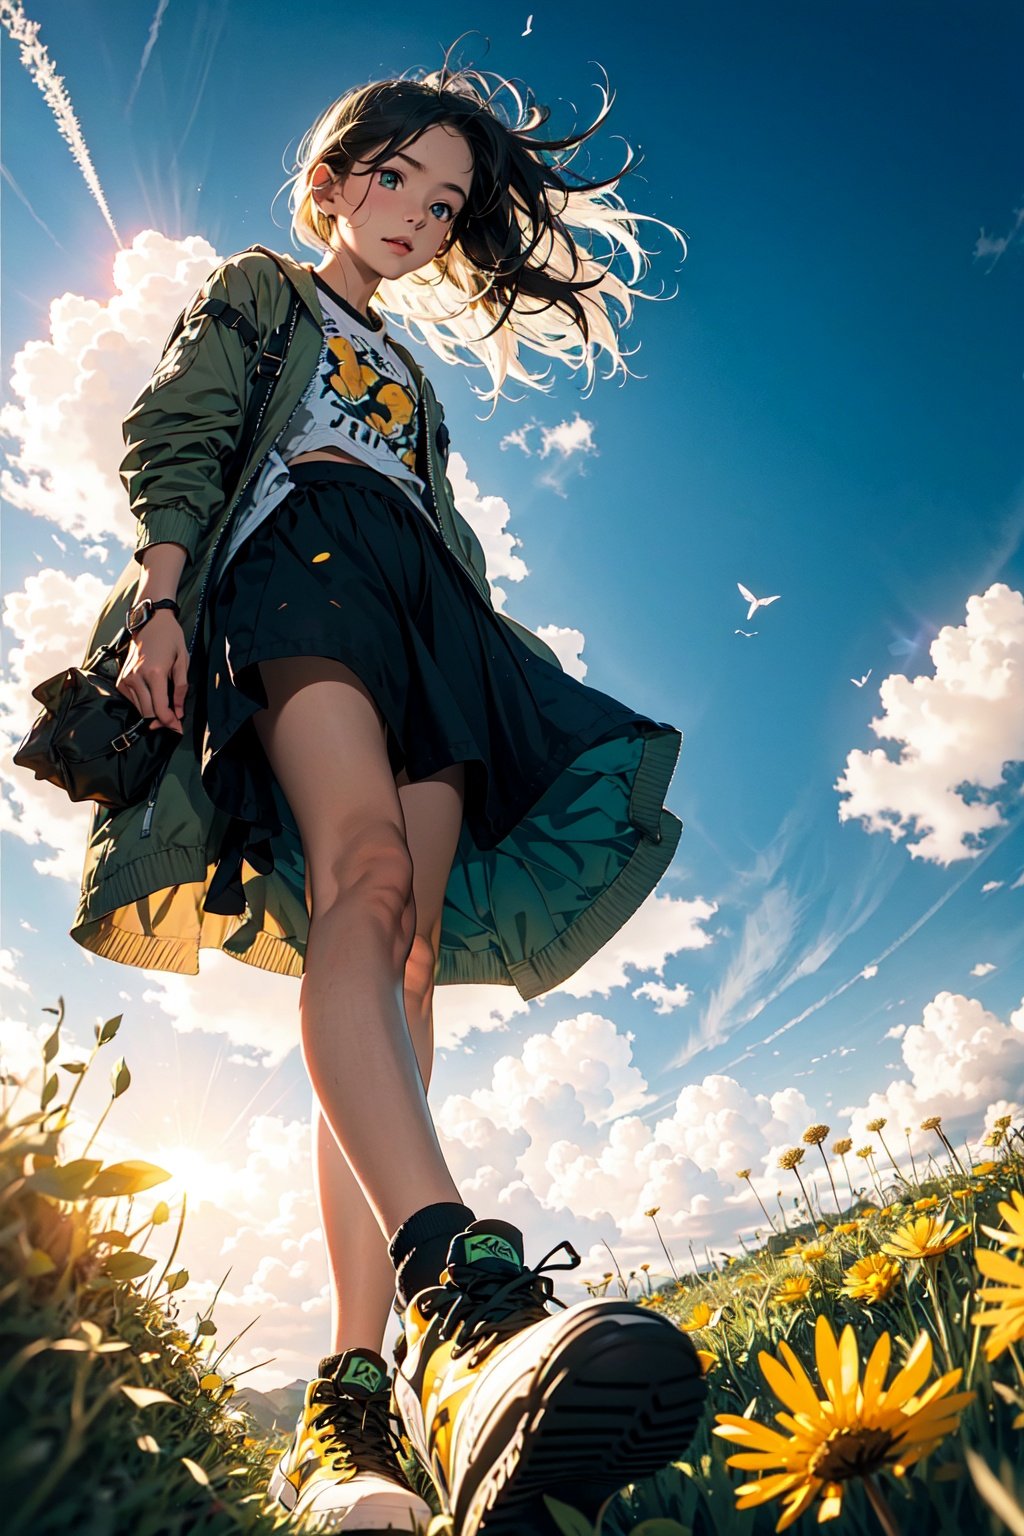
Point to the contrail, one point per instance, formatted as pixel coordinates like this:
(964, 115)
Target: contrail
(5, 173)
(39, 65)
(154, 28)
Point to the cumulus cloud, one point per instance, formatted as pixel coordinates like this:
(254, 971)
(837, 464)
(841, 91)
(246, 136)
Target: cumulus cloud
(73, 388)
(257, 1010)
(958, 1060)
(983, 968)
(662, 926)
(957, 730)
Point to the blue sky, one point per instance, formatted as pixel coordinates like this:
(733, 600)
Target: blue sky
(829, 409)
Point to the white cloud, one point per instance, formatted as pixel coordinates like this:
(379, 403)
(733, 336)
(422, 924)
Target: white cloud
(8, 974)
(74, 388)
(869, 971)
(896, 1033)
(662, 926)
(568, 438)
(956, 731)
(983, 968)
(665, 999)
(960, 1059)
(991, 885)
(257, 1010)
(567, 645)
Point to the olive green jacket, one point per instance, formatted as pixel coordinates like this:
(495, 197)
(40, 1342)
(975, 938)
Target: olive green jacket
(148, 867)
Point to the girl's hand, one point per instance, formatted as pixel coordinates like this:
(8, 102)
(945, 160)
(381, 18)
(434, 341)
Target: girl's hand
(154, 676)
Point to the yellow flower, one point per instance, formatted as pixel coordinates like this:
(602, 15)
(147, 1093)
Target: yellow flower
(797, 1247)
(815, 1134)
(932, 1123)
(840, 1148)
(924, 1238)
(743, 1173)
(865, 1152)
(871, 1278)
(961, 1194)
(846, 1226)
(856, 1430)
(793, 1290)
(751, 1277)
(792, 1157)
(812, 1252)
(888, 1210)
(981, 1170)
(1013, 1215)
(1004, 1122)
(927, 1204)
(707, 1360)
(877, 1125)
(1006, 1313)
(698, 1318)
(653, 1210)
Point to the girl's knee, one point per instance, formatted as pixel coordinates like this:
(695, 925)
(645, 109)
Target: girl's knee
(370, 871)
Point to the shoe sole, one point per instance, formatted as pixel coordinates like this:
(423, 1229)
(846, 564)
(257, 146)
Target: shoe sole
(619, 1398)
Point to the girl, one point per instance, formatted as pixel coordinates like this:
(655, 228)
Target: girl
(383, 785)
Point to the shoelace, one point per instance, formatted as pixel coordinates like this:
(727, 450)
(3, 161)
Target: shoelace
(359, 1430)
(487, 1308)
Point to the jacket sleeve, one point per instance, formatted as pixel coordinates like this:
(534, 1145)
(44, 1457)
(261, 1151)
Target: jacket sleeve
(182, 430)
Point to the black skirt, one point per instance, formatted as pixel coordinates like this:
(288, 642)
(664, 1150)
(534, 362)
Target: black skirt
(346, 567)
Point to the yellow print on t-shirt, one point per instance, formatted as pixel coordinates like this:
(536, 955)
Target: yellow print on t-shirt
(383, 403)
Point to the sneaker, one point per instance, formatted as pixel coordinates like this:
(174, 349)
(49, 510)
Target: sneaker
(341, 1468)
(503, 1401)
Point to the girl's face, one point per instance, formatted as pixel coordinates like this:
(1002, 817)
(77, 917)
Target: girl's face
(409, 200)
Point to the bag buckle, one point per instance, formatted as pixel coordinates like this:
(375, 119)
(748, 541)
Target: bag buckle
(270, 364)
(128, 738)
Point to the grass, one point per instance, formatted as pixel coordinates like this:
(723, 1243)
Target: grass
(116, 1417)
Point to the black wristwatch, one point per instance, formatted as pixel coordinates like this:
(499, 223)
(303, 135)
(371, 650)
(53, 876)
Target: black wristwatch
(143, 611)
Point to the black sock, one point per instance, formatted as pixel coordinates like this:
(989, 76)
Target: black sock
(419, 1248)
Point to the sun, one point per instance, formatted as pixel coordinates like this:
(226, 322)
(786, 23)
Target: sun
(193, 1173)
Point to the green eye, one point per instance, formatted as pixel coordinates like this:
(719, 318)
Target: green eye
(391, 173)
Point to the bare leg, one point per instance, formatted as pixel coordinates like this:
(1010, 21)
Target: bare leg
(324, 739)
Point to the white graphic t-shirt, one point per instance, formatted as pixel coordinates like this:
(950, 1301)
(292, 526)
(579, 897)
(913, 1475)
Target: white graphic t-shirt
(361, 398)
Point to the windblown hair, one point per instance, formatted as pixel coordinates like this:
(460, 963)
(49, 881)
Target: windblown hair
(517, 268)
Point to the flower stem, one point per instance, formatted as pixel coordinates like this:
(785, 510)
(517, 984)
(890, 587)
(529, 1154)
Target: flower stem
(828, 1170)
(878, 1503)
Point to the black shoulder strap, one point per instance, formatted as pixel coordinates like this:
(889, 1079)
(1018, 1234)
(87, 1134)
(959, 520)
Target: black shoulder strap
(269, 367)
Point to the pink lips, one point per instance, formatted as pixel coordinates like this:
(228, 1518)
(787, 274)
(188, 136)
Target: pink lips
(403, 243)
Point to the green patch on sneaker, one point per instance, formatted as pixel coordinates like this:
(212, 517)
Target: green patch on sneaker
(488, 1245)
(363, 1373)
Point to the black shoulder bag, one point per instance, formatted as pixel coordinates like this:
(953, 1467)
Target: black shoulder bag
(89, 739)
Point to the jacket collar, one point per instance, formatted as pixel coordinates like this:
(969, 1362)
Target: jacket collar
(302, 279)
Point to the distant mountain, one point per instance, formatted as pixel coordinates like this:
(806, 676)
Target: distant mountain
(274, 1410)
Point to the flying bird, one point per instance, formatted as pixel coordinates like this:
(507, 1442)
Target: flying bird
(756, 602)
(529, 24)
(748, 632)
(863, 680)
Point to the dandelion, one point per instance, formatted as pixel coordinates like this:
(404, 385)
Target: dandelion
(1013, 1215)
(856, 1430)
(814, 1136)
(744, 1173)
(812, 1253)
(871, 1278)
(934, 1123)
(794, 1290)
(840, 1149)
(982, 1170)
(876, 1128)
(1005, 1315)
(651, 1214)
(928, 1203)
(906, 1132)
(924, 1238)
(790, 1160)
(867, 1153)
(846, 1227)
